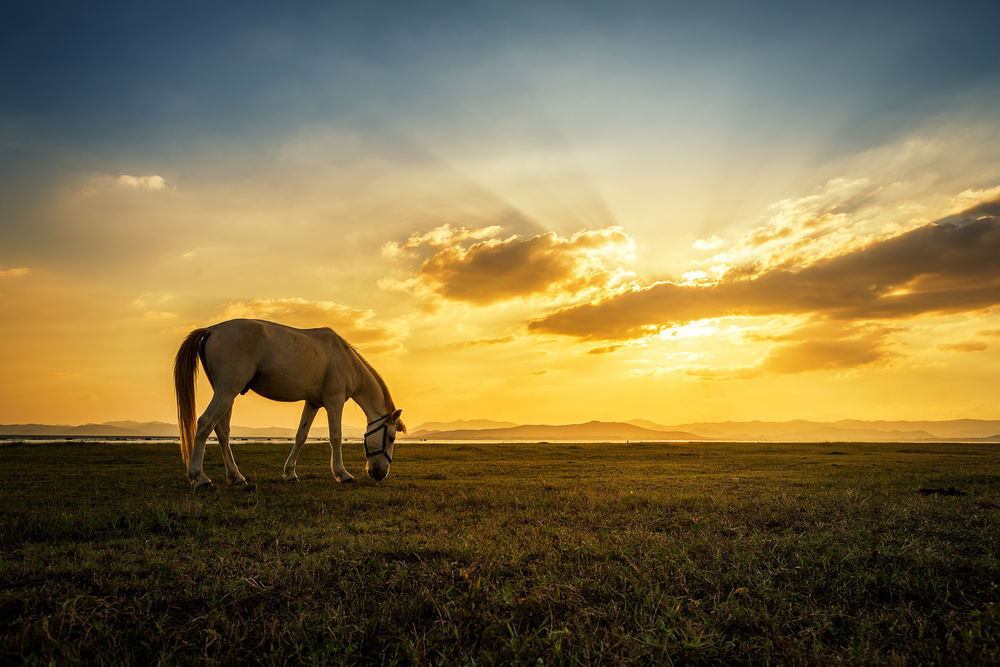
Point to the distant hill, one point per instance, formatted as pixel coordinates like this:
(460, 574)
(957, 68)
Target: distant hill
(462, 424)
(593, 430)
(159, 429)
(802, 431)
(799, 430)
(850, 430)
(95, 430)
(954, 428)
(133, 429)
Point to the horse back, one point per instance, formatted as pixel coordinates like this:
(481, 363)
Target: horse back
(277, 361)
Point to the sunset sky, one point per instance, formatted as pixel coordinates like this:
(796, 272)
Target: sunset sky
(548, 212)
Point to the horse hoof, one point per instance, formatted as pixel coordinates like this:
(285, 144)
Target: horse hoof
(204, 486)
(293, 478)
(349, 480)
(238, 483)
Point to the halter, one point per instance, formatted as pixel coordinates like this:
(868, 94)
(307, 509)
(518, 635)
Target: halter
(385, 437)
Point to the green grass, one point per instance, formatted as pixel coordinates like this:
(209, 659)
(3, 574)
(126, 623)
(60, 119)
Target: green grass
(572, 554)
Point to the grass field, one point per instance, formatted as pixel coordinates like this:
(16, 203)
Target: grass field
(571, 554)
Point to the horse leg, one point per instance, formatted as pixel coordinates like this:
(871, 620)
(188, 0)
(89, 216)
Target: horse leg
(233, 475)
(308, 414)
(334, 413)
(220, 404)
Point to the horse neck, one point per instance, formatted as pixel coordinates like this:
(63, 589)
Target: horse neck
(369, 395)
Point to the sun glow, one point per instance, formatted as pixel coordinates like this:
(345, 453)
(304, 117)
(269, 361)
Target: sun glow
(693, 277)
(695, 329)
(503, 218)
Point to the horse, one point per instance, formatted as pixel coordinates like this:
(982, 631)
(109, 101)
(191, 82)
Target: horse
(281, 363)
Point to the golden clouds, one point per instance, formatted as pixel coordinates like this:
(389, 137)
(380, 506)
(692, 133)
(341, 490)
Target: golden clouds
(830, 289)
(490, 269)
(439, 237)
(159, 315)
(152, 182)
(16, 272)
(949, 266)
(817, 344)
(606, 349)
(829, 346)
(967, 346)
(355, 325)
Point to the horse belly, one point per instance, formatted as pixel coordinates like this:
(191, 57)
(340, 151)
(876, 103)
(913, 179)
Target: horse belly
(291, 373)
(285, 391)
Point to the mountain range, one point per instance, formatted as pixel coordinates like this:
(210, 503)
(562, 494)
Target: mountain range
(593, 430)
(846, 430)
(133, 429)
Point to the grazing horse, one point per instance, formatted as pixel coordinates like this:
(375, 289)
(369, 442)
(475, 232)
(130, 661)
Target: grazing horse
(284, 364)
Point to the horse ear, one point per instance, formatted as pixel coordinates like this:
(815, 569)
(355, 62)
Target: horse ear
(395, 415)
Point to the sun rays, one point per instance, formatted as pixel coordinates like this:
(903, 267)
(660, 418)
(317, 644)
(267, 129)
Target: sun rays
(525, 215)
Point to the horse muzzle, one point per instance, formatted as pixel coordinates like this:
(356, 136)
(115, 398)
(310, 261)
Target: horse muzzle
(377, 472)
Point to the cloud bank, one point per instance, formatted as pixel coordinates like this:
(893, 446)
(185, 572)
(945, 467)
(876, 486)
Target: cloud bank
(153, 182)
(952, 265)
(355, 325)
(490, 269)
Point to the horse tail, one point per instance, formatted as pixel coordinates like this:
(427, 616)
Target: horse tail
(185, 372)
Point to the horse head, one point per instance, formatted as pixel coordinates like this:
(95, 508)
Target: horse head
(380, 439)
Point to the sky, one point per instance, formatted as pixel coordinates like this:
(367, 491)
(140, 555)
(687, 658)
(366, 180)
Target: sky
(531, 212)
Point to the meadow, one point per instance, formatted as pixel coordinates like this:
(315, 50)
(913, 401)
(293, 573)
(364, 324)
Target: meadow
(492, 553)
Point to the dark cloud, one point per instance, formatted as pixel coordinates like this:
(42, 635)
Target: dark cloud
(968, 346)
(607, 349)
(499, 340)
(821, 345)
(814, 355)
(826, 344)
(498, 269)
(952, 265)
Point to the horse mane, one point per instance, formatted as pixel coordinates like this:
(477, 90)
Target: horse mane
(391, 407)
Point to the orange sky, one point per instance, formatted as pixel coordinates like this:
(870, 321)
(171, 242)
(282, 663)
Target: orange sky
(817, 309)
(591, 232)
